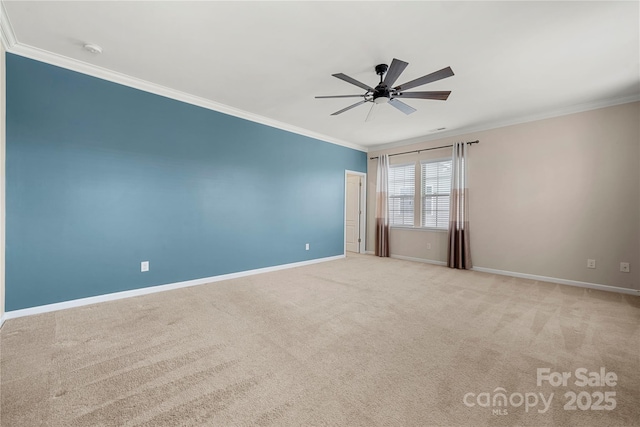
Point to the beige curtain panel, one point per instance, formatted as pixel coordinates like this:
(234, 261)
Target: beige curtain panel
(382, 207)
(459, 251)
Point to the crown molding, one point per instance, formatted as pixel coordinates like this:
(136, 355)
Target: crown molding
(573, 109)
(7, 35)
(133, 82)
(11, 44)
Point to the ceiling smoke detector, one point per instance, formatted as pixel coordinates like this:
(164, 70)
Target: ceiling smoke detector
(93, 48)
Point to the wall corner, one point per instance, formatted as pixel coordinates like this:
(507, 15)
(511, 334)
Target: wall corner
(2, 178)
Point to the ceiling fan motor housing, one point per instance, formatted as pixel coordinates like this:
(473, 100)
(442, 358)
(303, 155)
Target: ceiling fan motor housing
(381, 92)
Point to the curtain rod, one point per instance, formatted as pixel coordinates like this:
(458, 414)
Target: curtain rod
(426, 149)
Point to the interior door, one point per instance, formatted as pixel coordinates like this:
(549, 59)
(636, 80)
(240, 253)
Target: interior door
(352, 226)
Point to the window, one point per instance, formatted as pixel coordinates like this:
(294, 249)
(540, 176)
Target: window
(436, 186)
(401, 194)
(432, 199)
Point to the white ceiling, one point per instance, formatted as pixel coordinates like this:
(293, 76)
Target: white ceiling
(513, 61)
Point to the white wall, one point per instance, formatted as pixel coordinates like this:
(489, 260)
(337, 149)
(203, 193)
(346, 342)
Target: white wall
(545, 196)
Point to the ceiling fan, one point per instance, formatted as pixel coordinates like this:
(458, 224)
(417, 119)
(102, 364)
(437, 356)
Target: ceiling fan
(385, 93)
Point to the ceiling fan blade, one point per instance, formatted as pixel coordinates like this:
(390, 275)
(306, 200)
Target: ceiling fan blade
(402, 106)
(395, 69)
(437, 75)
(352, 81)
(340, 96)
(440, 95)
(348, 108)
(371, 115)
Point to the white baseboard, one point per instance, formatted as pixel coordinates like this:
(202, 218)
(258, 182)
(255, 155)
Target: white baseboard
(153, 289)
(531, 276)
(560, 281)
(424, 260)
(370, 252)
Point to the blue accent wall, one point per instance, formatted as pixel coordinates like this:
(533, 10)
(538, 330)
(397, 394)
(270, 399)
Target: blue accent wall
(101, 176)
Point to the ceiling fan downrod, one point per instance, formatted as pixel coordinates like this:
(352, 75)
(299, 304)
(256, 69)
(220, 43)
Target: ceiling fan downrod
(381, 93)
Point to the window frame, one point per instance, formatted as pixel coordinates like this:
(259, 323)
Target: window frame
(418, 196)
(423, 195)
(390, 197)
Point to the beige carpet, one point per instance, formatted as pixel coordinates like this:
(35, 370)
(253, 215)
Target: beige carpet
(362, 341)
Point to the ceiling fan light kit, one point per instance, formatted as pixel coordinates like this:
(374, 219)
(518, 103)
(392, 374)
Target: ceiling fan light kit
(385, 92)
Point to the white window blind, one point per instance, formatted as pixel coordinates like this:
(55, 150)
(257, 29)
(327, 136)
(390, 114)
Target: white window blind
(436, 187)
(401, 194)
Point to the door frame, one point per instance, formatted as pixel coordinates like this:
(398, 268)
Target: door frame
(363, 208)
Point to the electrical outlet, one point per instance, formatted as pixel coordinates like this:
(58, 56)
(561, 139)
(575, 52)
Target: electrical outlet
(624, 267)
(306, 247)
(428, 245)
(144, 266)
(591, 263)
